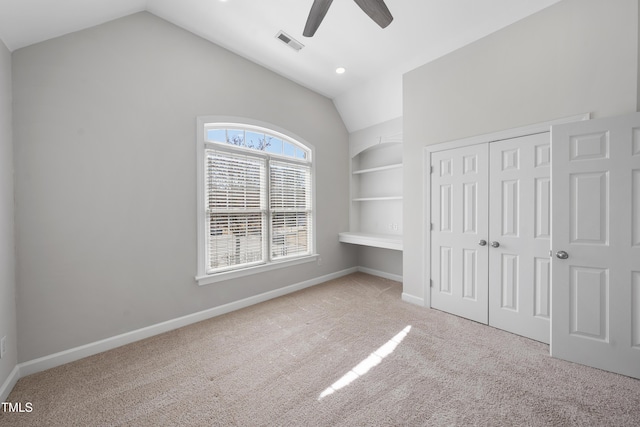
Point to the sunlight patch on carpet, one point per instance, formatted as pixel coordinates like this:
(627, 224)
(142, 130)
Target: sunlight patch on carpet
(371, 361)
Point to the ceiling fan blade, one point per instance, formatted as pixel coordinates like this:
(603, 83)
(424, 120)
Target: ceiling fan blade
(316, 15)
(377, 10)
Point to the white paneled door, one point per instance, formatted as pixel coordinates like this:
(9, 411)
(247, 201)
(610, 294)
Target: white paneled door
(490, 236)
(520, 233)
(459, 208)
(596, 242)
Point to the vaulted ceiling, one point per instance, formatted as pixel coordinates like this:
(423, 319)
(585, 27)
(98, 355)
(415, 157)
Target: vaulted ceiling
(369, 92)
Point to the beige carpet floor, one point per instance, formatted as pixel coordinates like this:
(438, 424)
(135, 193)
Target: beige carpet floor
(345, 353)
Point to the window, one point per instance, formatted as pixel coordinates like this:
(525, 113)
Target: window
(255, 200)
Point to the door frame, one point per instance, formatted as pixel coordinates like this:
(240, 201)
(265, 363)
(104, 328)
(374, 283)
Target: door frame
(465, 142)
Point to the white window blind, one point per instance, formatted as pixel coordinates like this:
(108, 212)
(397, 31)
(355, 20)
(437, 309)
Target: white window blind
(255, 200)
(235, 210)
(290, 209)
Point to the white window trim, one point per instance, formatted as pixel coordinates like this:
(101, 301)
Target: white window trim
(202, 277)
(254, 269)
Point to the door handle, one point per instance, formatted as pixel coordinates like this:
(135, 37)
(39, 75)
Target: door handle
(562, 255)
(482, 243)
(495, 244)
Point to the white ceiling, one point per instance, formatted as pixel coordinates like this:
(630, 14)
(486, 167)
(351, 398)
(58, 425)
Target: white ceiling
(370, 92)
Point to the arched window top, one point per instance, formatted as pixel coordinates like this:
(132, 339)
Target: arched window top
(256, 138)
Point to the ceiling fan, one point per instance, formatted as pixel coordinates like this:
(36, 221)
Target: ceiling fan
(376, 9)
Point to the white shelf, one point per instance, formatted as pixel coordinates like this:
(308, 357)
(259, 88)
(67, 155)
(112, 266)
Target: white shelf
(385, 241)
(373, 199)
(375, 218)
(379, 169)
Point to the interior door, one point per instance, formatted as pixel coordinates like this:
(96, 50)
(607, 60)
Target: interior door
(520, 232)
(459, 209)
(595, 312)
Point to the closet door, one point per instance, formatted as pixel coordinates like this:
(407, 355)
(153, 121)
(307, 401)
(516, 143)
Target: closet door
(459, 197)
(520, 232)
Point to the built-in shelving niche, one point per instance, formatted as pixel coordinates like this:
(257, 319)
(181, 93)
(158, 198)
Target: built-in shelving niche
(376, 194)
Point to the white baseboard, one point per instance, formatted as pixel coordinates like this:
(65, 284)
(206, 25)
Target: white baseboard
(382, 274)
(90, 349)
(413, 299)
(10, 382)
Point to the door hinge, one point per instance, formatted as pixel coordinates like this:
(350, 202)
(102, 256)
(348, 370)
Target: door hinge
(550, 254)
(431, 169)
(431, 226)
(431, 283)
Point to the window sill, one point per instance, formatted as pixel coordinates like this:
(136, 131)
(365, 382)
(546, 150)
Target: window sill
(233, 274)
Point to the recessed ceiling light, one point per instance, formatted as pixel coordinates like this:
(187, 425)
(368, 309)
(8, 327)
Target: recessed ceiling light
(341, 70)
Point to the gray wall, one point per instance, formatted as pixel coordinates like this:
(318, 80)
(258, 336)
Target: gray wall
(7, 252)
(575, 57)
(105, 128)
(383, 260)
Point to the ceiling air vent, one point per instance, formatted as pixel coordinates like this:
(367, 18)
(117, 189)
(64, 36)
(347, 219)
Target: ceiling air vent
(289, 41)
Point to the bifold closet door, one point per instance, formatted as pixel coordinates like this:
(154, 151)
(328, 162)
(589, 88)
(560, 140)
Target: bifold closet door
(459, 198)
(519, 234)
